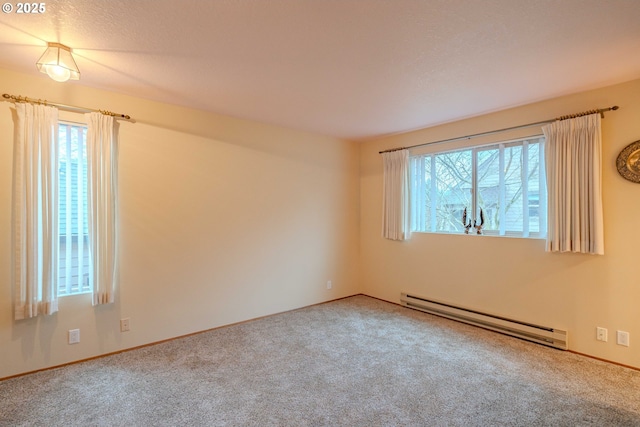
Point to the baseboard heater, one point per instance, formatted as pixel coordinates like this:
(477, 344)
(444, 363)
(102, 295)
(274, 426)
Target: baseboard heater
(551, 337)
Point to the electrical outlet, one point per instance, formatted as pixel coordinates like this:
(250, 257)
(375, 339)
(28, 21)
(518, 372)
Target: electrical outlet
(623, 338)
(124, 324)
(74, 336)
(601, 334)
(329, 284)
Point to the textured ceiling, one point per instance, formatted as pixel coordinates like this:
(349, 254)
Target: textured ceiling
(353, 69)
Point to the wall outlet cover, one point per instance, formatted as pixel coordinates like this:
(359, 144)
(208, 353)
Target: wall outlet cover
(623, 338)
(74, 336)
(601, 334)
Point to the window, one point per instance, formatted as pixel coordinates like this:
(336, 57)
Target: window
(505, 181)
(74, 260)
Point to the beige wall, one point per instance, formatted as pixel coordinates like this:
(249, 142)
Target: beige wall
(222, 220)
(514, 277)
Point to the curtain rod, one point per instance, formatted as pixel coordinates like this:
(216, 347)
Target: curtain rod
(491, 132)
(19, 98)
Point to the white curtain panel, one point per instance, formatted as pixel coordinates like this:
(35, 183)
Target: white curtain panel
(573, 156)
(395, 203)
(102, 173)
(35, 197)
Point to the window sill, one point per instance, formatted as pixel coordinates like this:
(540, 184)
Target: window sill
(510, 236)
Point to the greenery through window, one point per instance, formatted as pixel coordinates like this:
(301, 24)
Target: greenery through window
(506, 181)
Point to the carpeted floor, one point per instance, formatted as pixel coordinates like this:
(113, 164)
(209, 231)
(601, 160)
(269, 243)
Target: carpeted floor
(352, 362)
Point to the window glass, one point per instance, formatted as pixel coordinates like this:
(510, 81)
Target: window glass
(453, 189)
(489, 187)
(505, 182)
(513, 180)
(533, 185)
(74, 260)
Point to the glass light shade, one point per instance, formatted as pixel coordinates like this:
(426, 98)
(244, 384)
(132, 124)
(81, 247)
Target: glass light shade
(57, 62)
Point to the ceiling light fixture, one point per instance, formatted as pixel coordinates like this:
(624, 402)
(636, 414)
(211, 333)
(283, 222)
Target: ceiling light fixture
(57, 62)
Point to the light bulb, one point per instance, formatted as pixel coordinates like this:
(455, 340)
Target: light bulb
(58, 73)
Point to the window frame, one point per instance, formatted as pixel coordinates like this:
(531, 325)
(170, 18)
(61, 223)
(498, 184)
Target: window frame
(430, 225)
